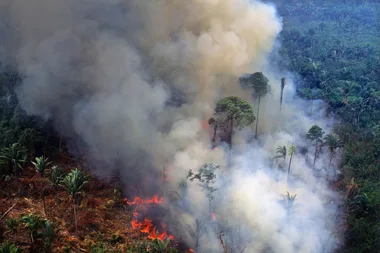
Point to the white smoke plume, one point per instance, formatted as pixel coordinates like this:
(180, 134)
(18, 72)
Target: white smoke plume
(134, 79)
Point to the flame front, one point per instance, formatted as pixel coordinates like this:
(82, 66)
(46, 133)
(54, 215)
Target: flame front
(146, 226)
(139, 201)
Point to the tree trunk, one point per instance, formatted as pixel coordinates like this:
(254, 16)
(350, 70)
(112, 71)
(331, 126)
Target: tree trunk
(283, 82)
(223, 244)
(75, 216)
(290, 163)
(56, 199)
(231, 131)
(257, 120)
(214, 137)
(315, 154)
(31, 241)
(17, 184)
(43, 202)
(331, 157)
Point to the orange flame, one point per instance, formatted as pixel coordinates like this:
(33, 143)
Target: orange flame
(136, 224)
(213, 216)
(146, 226)
(139, 201)
(191, 250)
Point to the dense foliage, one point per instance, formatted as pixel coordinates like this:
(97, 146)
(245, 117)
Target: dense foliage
(333, 49)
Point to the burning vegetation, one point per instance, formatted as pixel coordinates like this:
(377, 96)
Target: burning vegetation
(143, 224)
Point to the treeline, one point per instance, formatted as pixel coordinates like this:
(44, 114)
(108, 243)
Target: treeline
(333, 48)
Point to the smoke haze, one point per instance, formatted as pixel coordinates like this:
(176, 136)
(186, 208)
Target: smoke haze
(133, 80)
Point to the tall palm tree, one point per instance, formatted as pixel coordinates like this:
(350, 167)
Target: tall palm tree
(74, 183)
(292, 151)
(260, 88)
(315, 134)
(281, 152)
(41, 164)
(333, 143)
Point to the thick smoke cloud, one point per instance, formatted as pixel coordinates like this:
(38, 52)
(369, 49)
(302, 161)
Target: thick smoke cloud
(105, 70)
(134, 79)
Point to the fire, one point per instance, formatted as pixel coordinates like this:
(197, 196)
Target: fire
(136, 224)
(213, 216)
(191, 250)
(139, 201)
(146, 226)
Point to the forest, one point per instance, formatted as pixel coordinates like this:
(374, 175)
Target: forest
(184, 157)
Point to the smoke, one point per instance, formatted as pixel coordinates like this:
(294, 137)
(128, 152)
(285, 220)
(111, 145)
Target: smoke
(133, 81)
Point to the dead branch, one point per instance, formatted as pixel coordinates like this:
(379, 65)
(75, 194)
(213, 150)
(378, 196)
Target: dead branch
(5, 214)
(243, 249)
(223, 244)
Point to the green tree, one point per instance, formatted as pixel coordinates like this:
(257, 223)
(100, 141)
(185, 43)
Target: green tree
(56, 177)
(207, 177)
(74, 183)
(333, 143)
(311, 94)
(15, 157)
(158, 246)
(49, 234)
(258, 83)
(55, 180)
(215, 124)
(236, 112)
(7, 247)
(11, 224)
(41, 164)
(33, 223)
(315, 136)
(292, 151)
(281, 152)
